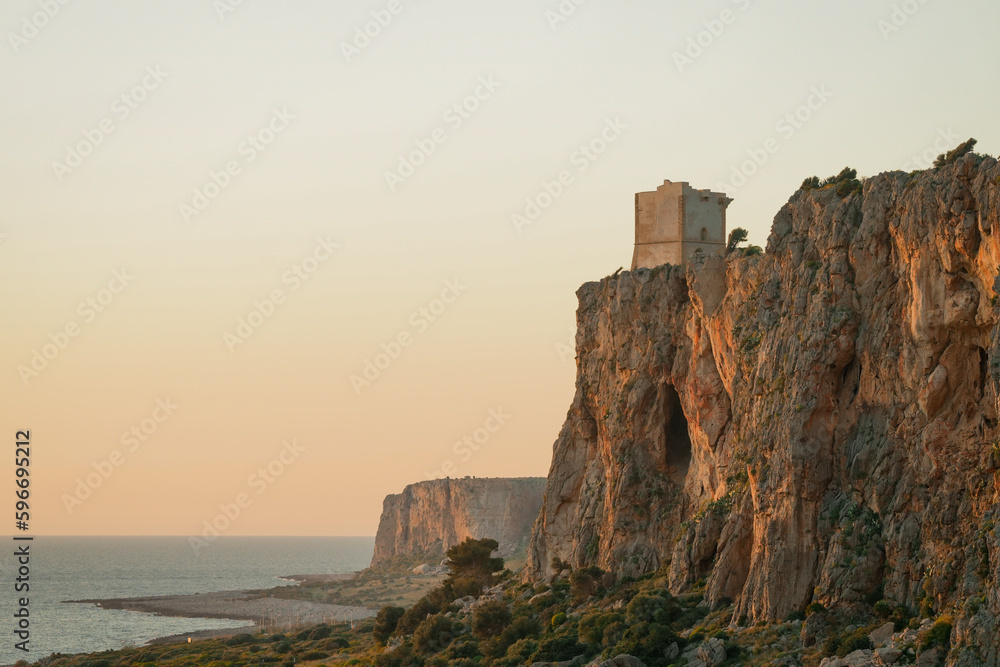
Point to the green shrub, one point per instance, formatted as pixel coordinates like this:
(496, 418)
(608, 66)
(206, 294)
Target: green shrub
(336, 643)
(846, 174)
(647, 641)
(814, 608)
(521, 627)
(415, 615)
(558, 619)
(401, 656)
(434, 634)
(315, 655)
(957, 152)
(884, 609)
(557, 649)
(652, 608)
(613, 633)
(855, 641)
(385, 623)
(796, 616)
(592, 626)
(939, 634)
(810, 183)
(463, 647)
(560, 586)
(522, 649)
(460, 587)
(489, 619)
(847, 187)
(900, 618)
(584, 582)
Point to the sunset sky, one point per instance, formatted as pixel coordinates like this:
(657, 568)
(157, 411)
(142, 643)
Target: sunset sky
(170, 169)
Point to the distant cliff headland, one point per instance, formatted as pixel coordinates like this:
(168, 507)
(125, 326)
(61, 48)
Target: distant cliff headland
(428, 518)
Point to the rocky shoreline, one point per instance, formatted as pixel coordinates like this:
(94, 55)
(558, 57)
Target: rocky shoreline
(265, 611)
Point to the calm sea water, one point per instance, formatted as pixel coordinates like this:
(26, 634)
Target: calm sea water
(78, 568)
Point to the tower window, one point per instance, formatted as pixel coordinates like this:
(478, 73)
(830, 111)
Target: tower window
(704, 234)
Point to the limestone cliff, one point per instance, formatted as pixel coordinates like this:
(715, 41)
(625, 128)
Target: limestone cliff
(817, 423)
(427, 518)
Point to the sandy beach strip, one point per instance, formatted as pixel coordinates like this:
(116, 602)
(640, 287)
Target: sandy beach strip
(318, 578)
(238, 605)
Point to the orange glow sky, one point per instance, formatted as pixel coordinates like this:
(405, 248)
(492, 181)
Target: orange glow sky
(881, 97)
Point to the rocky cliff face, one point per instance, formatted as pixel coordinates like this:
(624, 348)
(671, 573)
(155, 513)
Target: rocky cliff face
(817, 423)
(430, 517)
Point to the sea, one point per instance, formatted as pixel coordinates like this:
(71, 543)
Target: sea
(88, 568)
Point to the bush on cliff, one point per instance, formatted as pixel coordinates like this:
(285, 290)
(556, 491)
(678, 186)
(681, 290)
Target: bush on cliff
(434, 634)
(657, 608)
(843, 645)
(385, 623)
(415, 615)
(518, 653)
(593, 626)
(648, 642)
(398, 657)
(585, 582)
(951, 156)
(522, 627)
(490, 619)
(939, 635)
(558, 649)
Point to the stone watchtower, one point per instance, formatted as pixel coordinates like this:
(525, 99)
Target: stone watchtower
(676, 221)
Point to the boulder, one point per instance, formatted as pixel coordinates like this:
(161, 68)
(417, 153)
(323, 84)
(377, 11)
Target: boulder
(888, 655)
(932, 657)
(882, 635)
(671, 652)
(862, 658)
(833, 661)
(623, 660)
(712, 652)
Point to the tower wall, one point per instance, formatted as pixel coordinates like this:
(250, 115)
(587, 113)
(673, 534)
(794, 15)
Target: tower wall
(675, 221)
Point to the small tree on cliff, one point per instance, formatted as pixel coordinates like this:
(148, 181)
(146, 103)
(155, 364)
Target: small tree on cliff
(472, 565)
(736, 237)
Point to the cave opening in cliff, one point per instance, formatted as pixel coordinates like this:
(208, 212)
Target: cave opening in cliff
(678, 440)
